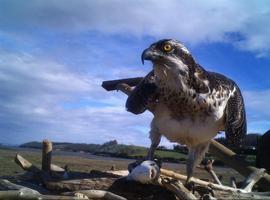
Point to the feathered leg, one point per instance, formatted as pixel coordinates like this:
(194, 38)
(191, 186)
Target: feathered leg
(195, 156)
(155, 137)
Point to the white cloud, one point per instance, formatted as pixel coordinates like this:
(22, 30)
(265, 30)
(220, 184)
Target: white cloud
(33, 96)
(244, 23)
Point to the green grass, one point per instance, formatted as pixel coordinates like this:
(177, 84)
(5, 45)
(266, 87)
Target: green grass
(76, 163)
(170, 154)
(8, 165)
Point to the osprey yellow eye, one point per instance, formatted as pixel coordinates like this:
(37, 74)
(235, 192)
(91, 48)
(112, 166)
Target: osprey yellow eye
(167, 47)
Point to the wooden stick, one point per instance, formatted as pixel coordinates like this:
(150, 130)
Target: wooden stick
(214, 176)
(252, 179)
(233, 182)
(46, 156)
(7, 185)
(232, 160)
(97, 194)
(56, 168)
(25, 164)
(177, 188)
(208, 166)
(23, 194)
(14, 191)
(198, 181)
(28, 166)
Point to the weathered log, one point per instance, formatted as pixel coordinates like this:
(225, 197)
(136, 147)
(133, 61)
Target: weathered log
(181, 177)
(25, 164)
(97, 194)
(176, 187)
(46, 156)
(7, 185)
(252, 179)
(232, 160)
(13, 191)
(24, 194)
(56, 168)
(222, 191)
(80, 184)
(28, 166)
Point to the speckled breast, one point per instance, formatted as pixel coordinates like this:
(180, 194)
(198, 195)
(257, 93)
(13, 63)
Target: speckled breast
(184, 104)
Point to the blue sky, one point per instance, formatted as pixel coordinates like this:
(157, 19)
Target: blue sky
(55, 54)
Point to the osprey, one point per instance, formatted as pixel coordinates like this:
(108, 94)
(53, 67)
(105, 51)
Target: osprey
(190, 105)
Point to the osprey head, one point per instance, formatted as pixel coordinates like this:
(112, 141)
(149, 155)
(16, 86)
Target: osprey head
(168, 55)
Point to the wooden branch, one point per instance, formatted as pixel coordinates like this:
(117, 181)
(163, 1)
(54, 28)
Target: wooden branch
(208, 166)
(229, 192)
(176, 187)
(56, 168)
(7, 185)
(46, 156)
(112, 84)
(233, 182)
(198, 181)
(24, 194)
(97, 194)
(25, 164)
(14, 191)
(28, 166)
(214, 176)
(232, 160)
(252, 179)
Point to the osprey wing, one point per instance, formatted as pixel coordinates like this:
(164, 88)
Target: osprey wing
(143, 93)
(235, 115)
(235, 125)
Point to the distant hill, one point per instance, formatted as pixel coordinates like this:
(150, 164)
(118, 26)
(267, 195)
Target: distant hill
(112, 148)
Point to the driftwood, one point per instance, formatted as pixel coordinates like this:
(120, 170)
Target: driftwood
(176, 187)
(25, 164)
(28, 166)
(83, 188)
(46, 156)
(181, 177)
(243, 167)
(208, 166)
(97, 194)
(229, 192)
(14, 191)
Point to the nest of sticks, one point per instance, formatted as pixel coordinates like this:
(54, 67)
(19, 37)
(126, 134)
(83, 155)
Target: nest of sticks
(55, 182)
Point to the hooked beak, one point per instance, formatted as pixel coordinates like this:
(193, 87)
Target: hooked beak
(148, 54)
